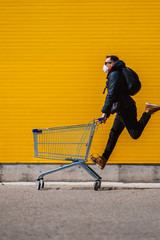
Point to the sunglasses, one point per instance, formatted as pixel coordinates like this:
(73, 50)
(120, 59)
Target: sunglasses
(107, 63)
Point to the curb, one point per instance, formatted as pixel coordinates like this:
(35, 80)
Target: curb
(112, 185)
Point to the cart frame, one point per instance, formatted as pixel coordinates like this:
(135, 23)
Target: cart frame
(83, 146)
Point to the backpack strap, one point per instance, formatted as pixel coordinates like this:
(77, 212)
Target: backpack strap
(104, 89)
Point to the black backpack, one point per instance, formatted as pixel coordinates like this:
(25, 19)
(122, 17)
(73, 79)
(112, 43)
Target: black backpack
(132, 80)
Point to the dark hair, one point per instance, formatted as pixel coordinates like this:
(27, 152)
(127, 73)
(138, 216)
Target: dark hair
(113, 58)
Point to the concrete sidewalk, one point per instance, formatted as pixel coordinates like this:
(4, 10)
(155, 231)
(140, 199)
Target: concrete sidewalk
(62, 212)
(110, 185)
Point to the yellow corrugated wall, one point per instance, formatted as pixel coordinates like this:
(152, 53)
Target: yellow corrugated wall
(51, 58)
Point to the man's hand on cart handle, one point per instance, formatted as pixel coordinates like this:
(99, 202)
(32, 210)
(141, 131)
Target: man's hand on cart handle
(103, 118)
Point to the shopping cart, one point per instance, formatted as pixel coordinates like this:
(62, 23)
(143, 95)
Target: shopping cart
(68, 143)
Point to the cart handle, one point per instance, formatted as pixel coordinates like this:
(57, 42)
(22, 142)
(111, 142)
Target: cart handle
(100, 119)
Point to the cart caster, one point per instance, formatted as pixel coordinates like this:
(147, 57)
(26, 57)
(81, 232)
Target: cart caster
(97, 185)
(41, 183)
(38, 185)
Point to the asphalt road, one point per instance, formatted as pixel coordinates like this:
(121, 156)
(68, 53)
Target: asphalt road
(76, 213)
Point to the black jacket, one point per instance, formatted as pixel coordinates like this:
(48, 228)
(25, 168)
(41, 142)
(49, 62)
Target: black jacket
(117, 90)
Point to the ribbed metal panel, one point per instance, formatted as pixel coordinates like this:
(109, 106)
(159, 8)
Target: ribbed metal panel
(52, 54)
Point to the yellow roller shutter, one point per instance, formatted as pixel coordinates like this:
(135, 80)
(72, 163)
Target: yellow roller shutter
(51, 58)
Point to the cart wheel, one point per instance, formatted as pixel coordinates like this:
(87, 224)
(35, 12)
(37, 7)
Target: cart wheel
(41, 183)
(97, 185)
(38, 185)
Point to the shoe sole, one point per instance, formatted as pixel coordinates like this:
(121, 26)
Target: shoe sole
(154, 105)
(100, 166)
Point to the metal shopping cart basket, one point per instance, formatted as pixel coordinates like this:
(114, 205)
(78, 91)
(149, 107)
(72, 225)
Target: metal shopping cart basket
(68, 143)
